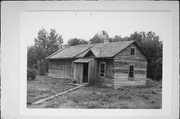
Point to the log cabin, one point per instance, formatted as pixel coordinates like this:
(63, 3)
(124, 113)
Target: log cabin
(114, 64)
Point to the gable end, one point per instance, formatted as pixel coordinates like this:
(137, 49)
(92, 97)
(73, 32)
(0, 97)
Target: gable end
(127, 51)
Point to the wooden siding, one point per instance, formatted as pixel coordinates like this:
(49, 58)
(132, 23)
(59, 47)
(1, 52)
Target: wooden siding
(108, 79)
(78, 72)
(91, 72)
(116, 72)
(61, 68)
(122, 61)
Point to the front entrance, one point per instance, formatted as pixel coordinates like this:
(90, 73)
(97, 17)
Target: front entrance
(85, 72)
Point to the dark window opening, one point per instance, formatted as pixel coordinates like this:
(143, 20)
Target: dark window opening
(132, 51)
(85, 73)
(102, 69)
(131, 71)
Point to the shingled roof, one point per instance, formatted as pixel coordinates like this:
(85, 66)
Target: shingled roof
(99, 50)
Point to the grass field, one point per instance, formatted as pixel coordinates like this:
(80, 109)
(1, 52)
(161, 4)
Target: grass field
(94, 96)
(44, 86)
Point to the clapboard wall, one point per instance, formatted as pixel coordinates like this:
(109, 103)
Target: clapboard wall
(123, 60)
(61, 68)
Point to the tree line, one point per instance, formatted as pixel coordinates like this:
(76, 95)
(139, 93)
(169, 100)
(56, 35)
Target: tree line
(47, 43)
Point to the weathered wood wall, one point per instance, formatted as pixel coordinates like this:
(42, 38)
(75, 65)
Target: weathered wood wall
(116, 72)
(92, 71)
(61, 68)
(122, 61)
(78, 72)
(108, 79)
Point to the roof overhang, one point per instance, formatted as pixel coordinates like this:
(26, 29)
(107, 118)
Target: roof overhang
(83, 60)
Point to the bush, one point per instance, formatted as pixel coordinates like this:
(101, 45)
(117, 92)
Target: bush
(31, 74)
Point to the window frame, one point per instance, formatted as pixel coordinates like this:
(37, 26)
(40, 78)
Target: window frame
(100, 69)
(131, 78)
(134, 51)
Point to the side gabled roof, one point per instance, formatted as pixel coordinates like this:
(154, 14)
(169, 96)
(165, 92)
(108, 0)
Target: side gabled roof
(100, 50)
(70, 52)
(109, 49)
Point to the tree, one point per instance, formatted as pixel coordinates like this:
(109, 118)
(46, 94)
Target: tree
(136, 36)
(49, 42)
(42, 39)
(44, 44)
(31, 56)
(152, 47)
(99, 37)
(76, 41)
(116, 38)
(55, 40)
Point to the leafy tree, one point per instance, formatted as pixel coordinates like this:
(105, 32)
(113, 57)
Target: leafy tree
(127, 38)
(136, 36)
(42, 39)
(96, 39)
(76, 41)
(152, 47)
(31, 54)
(49, 42)
(116, 39)
(55, 40)
(44, 44)
(99, 37)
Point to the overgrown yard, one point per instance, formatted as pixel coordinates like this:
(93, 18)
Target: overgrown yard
(44, 86)
(94, 96)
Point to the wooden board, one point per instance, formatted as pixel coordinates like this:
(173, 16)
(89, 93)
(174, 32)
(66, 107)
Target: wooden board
(60, 68)
(91, 71)
(126, 63)
(109, 67)
(126, 53)
(60, 74)
(78, 72)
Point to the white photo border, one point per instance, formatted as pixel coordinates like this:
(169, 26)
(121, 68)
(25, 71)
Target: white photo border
(18, 108)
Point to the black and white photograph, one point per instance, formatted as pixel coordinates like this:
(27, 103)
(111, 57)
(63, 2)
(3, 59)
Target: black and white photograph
(95, 59)
(91, 58)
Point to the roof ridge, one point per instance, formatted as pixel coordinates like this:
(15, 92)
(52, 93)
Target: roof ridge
(99, 49)
(79, 45)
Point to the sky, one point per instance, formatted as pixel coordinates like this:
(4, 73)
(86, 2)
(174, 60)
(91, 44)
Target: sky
(86, 24)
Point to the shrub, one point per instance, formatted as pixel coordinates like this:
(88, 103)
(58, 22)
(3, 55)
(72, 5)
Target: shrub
(31, 74)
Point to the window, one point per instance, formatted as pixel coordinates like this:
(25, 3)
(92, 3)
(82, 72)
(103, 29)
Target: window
(131, 71)
(132, 51)
(102, 69)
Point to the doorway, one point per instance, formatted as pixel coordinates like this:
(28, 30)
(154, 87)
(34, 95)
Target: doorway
(85, 72)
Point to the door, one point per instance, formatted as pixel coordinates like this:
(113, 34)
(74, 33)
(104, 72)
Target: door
(78, 72)
(85, 72)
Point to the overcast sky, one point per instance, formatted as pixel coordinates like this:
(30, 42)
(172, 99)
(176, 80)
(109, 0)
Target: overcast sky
(85, 24)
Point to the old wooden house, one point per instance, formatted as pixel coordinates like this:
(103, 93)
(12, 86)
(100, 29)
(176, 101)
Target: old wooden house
(113, 64)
